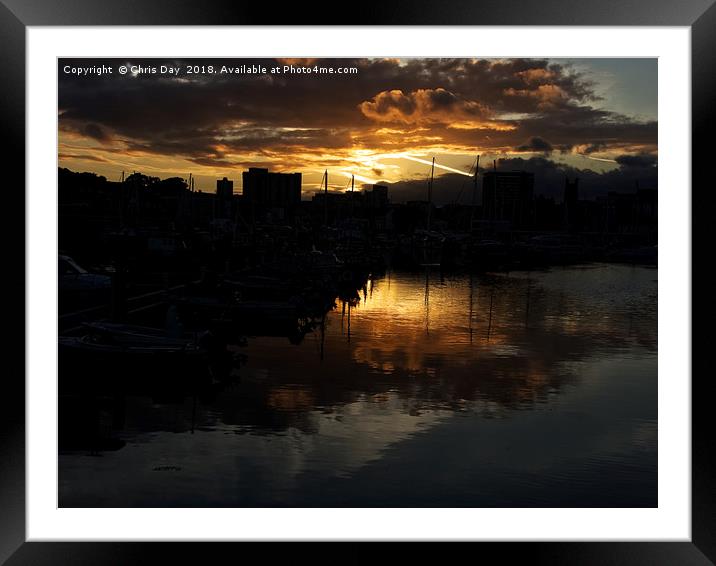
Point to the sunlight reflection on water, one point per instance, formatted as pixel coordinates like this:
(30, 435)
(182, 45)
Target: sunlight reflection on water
(520, 389)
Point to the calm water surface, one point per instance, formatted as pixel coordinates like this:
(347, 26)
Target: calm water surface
(507, 390)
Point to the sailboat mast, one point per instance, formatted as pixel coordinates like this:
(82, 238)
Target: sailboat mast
(353, 185)
(474, 192)
(494, 190)
(121, 202)
(430, 191)
(325, 200)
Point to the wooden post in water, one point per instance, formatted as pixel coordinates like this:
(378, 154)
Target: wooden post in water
(527, 308)
(489, 321)
(323, 334)
(469, 323)
(427, 301)
(343, 314)
(349, 321)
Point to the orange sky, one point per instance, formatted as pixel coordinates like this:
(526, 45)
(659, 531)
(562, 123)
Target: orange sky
(383, 124)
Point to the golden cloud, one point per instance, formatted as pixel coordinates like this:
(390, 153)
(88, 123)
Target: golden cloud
(421, 106)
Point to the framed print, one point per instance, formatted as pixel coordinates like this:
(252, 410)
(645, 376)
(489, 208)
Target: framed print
(408, 279)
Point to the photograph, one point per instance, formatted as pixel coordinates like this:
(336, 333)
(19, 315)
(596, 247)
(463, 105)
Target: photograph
(406, 282)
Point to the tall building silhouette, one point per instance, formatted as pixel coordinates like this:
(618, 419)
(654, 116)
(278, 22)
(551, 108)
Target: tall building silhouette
(507, 197)
(224, 188)
(265, 188)
(224, 195)
(377, 196)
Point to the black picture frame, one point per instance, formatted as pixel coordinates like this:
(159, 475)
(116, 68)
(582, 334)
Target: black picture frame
(16, 15)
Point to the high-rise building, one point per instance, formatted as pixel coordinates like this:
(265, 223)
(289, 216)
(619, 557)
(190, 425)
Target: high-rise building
(224, 197)
(224, 188)
(269, 189)
(507, 197)
(376, 197)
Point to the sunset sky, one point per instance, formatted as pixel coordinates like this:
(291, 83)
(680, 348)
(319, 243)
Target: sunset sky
(593, 117)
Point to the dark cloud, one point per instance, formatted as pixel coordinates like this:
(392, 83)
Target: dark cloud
(549, 181)
(447, 188)
(640, 160)
(389, 105)
(550, 176)
(96, 132)
(536, 144)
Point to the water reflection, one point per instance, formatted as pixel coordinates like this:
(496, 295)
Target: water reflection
(520, 389)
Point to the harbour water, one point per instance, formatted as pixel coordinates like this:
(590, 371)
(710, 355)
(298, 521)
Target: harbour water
(520, 389)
